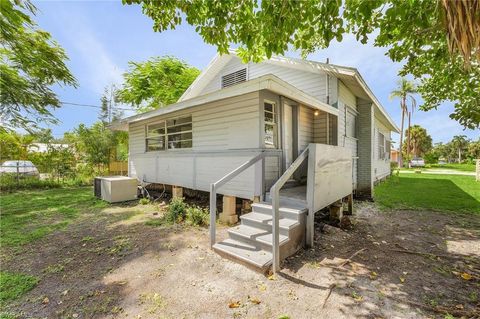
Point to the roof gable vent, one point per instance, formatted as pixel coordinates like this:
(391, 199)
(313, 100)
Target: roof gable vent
(234, 78)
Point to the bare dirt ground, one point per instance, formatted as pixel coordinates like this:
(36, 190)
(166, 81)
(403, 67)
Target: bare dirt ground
(399, 264)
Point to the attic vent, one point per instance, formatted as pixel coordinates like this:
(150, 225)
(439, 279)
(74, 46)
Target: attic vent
(234, 78)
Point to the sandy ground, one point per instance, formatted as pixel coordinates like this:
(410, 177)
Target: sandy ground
(404, 265)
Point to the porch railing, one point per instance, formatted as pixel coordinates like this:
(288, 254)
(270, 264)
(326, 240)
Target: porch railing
(214, 187)
(275, 196)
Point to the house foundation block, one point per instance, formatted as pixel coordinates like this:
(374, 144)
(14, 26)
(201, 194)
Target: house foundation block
(177, 191)
(336, 212)
(229, 214)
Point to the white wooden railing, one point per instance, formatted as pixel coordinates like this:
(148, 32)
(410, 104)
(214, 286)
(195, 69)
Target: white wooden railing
(214, 187)
(275, 195)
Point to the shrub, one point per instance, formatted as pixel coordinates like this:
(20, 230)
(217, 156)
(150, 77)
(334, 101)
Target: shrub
(9, 183)
(144, 201)
(393, 165)
(176, 210)
(197, 216)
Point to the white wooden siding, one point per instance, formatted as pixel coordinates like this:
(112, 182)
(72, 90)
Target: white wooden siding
(233, 65)
(305, 127)
(381, 167)
(311, 83)
(346, 96)
(320, 128)
(230, 124)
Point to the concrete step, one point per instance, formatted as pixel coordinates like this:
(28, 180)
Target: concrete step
(264, 221)
(286, 211)
(292, 202)
(254, 236)
(248, 254)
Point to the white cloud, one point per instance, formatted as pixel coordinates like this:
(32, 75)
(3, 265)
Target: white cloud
(98, 68)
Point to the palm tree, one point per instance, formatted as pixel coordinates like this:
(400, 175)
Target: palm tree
(404, 91)
(460, 142)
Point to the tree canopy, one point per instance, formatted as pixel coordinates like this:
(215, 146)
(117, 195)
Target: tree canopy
(420, 141)
(156, 82)
(31, 62)
(438, 41)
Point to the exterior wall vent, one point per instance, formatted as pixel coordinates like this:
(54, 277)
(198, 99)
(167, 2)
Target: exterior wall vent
(234, 78)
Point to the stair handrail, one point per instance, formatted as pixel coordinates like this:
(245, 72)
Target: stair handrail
(275, 196)
(222, 181)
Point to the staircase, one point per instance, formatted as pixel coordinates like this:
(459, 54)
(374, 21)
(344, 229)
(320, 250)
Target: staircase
(250, 243)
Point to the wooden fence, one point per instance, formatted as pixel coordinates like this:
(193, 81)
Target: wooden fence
(118, 168)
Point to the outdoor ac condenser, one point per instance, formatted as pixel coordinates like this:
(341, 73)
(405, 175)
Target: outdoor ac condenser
(115, 189)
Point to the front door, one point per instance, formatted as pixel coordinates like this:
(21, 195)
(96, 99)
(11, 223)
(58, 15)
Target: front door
(287, 135)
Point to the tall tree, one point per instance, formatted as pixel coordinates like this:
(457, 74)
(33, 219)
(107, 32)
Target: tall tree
(156, 82)
(460, 143)
(404, 92)
(109, 105)
(439, 41)
(31, 62)
(420, 141)
(473, 150)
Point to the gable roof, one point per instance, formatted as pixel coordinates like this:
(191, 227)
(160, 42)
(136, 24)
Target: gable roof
(265, 82)
(351, 77)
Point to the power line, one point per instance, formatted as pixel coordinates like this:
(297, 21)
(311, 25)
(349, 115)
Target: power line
(91, 105)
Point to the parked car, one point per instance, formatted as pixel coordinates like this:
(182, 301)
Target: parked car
(23, 168)
(417, 162)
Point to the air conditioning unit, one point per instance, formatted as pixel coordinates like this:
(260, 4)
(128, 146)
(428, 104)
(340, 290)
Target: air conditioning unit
(114, 189)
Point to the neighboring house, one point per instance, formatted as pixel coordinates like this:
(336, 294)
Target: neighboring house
(394, 155)
(234, 111)
(44, 147)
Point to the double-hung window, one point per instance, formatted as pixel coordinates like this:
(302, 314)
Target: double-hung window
(381, 146)
(169, 134)
(271, 125)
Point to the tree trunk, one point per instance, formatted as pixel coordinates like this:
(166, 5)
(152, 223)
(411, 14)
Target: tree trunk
(459, 155)
(408, 139)
(400, 159)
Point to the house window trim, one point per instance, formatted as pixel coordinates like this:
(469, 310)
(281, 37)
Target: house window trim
(350, 110)
(382, 155)
(166, 134)
(275, 113)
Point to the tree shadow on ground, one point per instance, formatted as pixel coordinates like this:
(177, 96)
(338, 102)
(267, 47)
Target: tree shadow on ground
(409, 263)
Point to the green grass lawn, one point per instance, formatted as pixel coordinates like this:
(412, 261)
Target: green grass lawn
(459, 167)
(30, 215)
(14, 285)
(452, 193)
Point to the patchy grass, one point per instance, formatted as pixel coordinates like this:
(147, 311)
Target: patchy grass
(453, 193)
(13, 285)
(30, 215)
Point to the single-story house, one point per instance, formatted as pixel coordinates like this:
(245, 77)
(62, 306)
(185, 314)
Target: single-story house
(235, 111)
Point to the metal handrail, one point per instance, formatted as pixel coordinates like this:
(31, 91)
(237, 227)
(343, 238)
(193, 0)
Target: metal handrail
(274, 194)
(220, 182)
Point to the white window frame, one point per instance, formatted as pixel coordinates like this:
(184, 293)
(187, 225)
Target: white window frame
(274, 124)
(166, 135)
(381, 146)
(353, 113)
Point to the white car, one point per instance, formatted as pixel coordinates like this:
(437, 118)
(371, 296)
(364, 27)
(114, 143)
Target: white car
(23, 168)
(417, 162)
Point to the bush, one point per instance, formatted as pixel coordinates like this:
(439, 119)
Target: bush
(197, 216)
(176, 210)
(9, 183)
(393, 165)
(144, 201)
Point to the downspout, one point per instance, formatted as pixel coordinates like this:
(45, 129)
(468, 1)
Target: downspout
(328, 84)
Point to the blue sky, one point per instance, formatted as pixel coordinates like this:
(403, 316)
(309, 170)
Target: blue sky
(100, 39)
